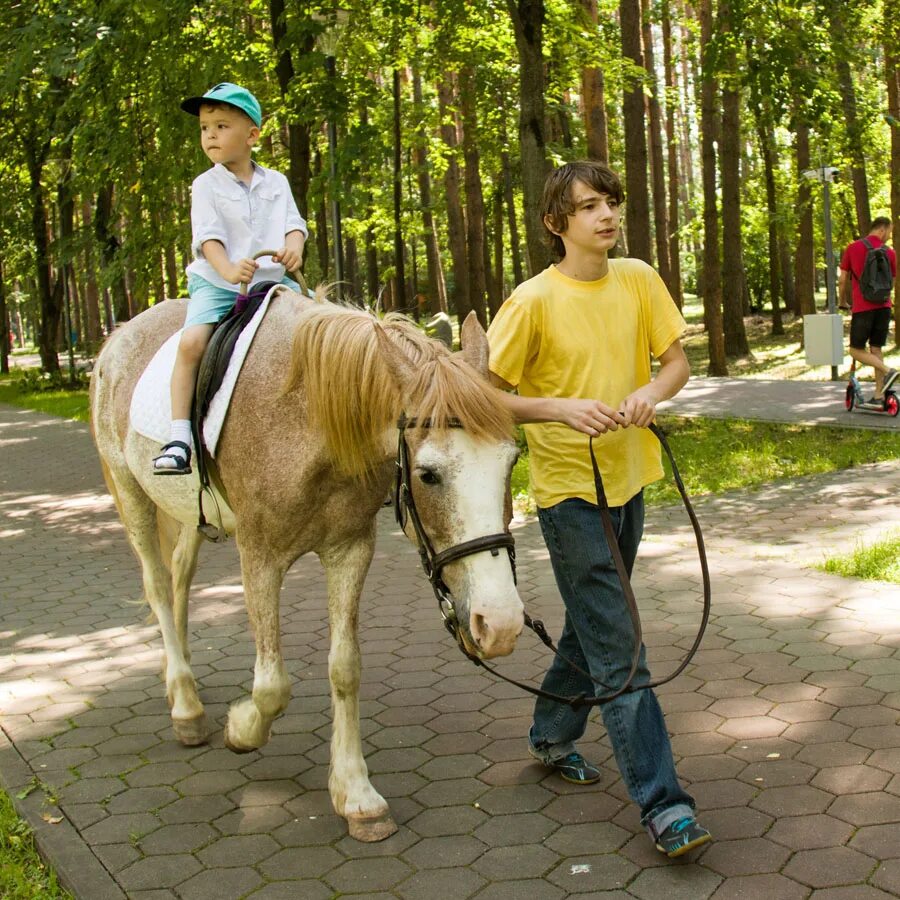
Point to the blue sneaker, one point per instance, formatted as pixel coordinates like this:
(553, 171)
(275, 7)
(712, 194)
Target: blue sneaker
(682, 835)
(573, 768)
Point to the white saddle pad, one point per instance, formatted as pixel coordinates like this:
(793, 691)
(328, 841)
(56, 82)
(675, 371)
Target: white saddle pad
(151, 404)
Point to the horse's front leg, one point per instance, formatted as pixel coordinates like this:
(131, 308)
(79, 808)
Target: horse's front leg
(250, 720)
(354, 798)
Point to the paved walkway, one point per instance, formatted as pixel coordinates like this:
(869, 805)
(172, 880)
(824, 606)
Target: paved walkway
(785, 726)
(772, 400)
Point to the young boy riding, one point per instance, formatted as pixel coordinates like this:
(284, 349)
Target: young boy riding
(237, 209)
(576, 342)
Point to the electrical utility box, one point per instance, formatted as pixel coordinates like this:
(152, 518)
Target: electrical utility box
(823, 339)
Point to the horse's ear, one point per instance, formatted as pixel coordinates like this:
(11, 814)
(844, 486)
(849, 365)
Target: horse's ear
(475, 350)
(399, 364)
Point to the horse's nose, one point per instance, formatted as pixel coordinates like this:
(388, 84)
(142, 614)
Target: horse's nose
(495, 629)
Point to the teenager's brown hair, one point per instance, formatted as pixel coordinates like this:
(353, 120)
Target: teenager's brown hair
(880, 222)
(557, 204)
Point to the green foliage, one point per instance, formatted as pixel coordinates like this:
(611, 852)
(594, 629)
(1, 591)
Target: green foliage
(23, 874)
(48, 394)
(879, 561)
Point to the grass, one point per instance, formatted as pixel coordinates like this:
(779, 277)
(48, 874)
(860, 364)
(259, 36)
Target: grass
(69, 403)
(23, 875)
(714, 455)
(878, 562)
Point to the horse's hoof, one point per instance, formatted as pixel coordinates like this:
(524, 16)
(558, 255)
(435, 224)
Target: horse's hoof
(236, 748)
(191, 732)
(371, 828)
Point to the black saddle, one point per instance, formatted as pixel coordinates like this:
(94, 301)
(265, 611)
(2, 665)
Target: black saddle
(210, 376)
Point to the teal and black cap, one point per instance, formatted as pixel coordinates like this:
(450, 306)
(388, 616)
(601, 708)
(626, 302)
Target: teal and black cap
(232, 94)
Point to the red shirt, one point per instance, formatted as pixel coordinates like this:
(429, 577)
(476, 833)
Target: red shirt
(853, 260)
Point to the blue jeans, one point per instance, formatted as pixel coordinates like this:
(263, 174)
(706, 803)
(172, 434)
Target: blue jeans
(598, 636)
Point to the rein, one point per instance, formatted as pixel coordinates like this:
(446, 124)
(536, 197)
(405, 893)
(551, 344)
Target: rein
(433, 564)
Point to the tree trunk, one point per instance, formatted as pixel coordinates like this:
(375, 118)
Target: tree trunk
(892, 69)
(91, 290)
(528, 23)
(321, 229)
(688, 181)
(509, 200)
(458, 297)
(709, 127)
(732, 266)
(637, 189)
(672, 153)
(495, 287)
(437, 290)
(299, 153)
(400, 299)
(855, 137)
(4, 326)
(657, 166)
(109, 250)
(593, 96)
(50, 295)
(804, 256)
(765, 135)
(475, 223)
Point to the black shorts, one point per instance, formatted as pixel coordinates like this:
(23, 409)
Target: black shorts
(870, 327)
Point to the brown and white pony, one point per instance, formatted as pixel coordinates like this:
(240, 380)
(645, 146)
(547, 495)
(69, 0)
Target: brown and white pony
(306, 458)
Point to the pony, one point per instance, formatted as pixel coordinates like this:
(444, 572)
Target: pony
(305, 461)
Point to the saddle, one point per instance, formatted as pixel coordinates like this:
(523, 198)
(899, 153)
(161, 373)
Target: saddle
(210, 376)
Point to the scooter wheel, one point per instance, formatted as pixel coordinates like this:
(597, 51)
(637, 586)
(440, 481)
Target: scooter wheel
(891, 404)
(848, 398)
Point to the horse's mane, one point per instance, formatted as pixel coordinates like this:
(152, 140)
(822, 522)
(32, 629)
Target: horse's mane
(352, 395)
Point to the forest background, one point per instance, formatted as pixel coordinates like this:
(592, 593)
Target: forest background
(417, 136)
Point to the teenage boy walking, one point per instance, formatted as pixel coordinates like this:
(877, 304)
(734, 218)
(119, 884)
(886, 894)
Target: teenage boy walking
(575, 341)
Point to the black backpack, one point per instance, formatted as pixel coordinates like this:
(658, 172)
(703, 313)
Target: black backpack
(877, 279)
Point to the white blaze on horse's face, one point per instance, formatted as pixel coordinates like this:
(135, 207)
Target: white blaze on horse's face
(459, 486)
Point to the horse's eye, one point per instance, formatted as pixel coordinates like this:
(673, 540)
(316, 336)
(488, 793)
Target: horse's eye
(429, 476)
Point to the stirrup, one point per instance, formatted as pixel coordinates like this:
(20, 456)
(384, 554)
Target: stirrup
(183, 464)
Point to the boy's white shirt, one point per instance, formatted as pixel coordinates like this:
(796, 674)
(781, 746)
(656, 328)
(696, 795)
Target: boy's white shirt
(244, 220)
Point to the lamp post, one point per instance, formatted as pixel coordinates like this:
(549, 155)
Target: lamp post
(328, 40)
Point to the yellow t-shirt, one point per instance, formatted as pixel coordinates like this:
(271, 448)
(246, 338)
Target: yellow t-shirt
(558, 337)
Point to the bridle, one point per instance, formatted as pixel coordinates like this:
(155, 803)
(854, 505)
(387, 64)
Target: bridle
(433, 563)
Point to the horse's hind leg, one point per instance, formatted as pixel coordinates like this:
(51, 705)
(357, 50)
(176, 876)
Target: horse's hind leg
(181, 555)
(354, 798)
(249, 720)
(139, 516)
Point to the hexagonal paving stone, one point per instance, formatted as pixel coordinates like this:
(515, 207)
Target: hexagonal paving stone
(851, 779)
(875, 808)
(366, 875)
(177, 839)
(444, 852)
(688, 882)
(829, 867)
(519, 798)
(238, 850)
(211, 885)
(447, 820)
(750, 856)
(587, 838)
(792, 801)
(593, 873)
(877, 841)
(771, 886)
(519, 861)
(520, 828)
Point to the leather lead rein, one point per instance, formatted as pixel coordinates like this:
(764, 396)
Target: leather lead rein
(433, 564)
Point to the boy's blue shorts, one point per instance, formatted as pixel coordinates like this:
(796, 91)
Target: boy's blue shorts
(209, 304)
